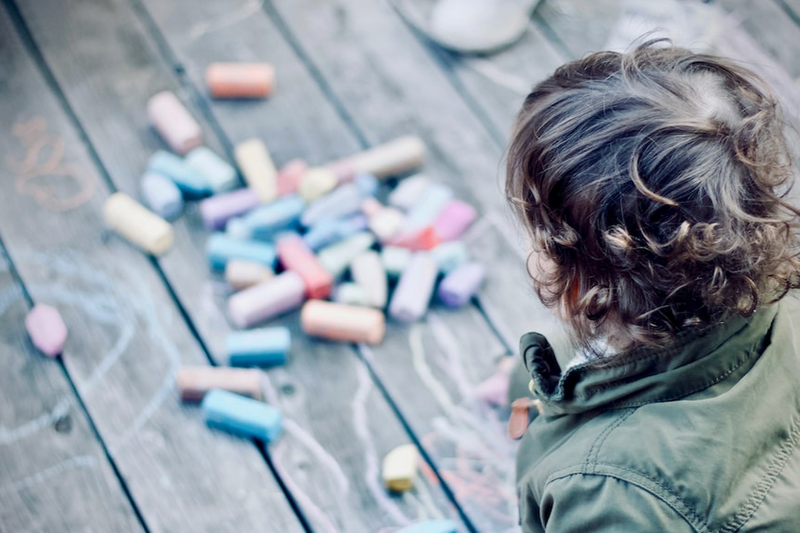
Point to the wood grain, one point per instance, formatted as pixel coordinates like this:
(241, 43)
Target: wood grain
(126, 337)
(54, 473)
(338, 426)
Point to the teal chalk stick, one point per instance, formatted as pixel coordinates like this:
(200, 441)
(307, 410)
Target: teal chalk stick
(220, 248)
(259, 347)
(218, 173)
(431, 526)
(243, 416)
(191, 183)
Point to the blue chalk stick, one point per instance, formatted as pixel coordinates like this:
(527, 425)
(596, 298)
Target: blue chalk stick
(367, 184)
(188, 180)
(259, 347)
(243, 416)
(161, 195)
(431, 526)
(220, 248)
(332, 230)
(265, 221)
(218, 173)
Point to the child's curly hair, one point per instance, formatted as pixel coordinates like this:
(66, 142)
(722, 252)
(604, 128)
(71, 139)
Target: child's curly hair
(655, 182)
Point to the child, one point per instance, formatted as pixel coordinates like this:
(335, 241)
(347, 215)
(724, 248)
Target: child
(653, 186)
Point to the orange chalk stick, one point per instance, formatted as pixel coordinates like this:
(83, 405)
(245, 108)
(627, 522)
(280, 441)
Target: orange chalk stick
(240, 80)
(342, 322)
(195, 381)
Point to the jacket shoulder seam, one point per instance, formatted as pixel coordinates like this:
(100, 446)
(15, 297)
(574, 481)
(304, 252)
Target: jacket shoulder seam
(643, 482)
(764, 486)
(594, 449)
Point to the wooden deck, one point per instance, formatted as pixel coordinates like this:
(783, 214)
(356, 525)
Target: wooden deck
(98, 440)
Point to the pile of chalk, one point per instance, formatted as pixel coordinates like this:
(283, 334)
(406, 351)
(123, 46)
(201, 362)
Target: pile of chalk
(316, 238)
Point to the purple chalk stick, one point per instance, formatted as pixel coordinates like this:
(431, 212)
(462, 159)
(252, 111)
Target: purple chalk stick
(47, 329)
(454, 220)
(218, 209)
(413, 293)
(461, 284)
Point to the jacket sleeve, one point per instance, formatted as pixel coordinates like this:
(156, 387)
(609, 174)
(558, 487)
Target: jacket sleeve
(598, 503)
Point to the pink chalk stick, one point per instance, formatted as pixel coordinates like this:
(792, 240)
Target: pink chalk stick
(174, 122)
(454, 220)
(494, 389)
(217, 210)
(269, 299)
(290, 176)
(46, 329)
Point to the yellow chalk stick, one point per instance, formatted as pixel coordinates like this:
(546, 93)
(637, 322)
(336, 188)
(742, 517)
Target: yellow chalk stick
(133, 221)
(400, 467)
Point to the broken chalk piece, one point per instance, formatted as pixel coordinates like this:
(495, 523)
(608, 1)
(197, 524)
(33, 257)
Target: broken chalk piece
(460, 285)
(173, 122)
(494, 389)
(316, 182)
(218, 173)
(424, 239)
(412, 296)
(328, 232)
(191, 183)
(281, 294)
(350, 294)
(258, 347)
(161, 195)
(427, 208)
(240, 80)
(342, 322)
(218, 210)
(431, 526)
(136, 223)
(290, 176)
(295, 255)
(400, 467)
(195, 381)
(394, 260)
(337, 258)
(221, 248)
(384, 222)
(450, 255)
(243, 416)
(240, 273)
(258, 169)
(409, 191)
(454, 219)
(368, 272)
(46, 329)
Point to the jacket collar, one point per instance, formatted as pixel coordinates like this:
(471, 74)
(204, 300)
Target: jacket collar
(690, 363)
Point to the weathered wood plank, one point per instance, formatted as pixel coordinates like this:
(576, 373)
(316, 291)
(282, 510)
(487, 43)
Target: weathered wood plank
(55, 474)
(771, 27)
(327, 462)
(581, 26)
(126, 338)
(493, 85)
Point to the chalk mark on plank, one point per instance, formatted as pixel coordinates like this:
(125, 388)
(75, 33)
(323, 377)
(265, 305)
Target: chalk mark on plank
(34, 137)
(232, 17)
(372, 472)
(74, 463)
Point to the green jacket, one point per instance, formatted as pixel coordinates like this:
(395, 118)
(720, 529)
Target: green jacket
(698, 436)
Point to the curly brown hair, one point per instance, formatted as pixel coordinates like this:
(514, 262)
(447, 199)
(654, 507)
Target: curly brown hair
(656, 183)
